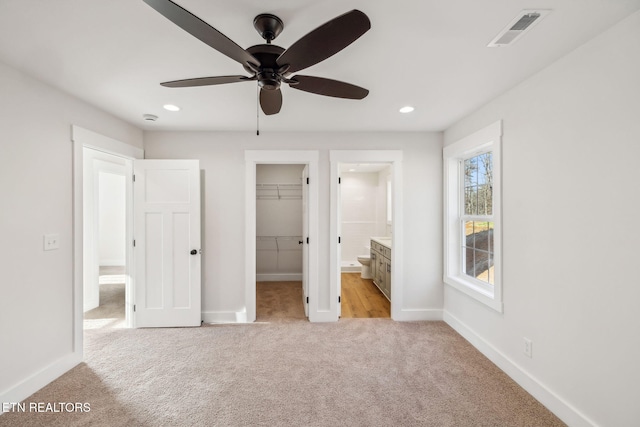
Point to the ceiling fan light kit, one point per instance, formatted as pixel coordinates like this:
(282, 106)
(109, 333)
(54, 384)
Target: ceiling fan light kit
(270, 65)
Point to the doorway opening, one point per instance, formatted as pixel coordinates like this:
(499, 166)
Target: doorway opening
(308, 159)
(104, 215)
(366, 217)
(86, 139)
(385, 219)
(279, 242)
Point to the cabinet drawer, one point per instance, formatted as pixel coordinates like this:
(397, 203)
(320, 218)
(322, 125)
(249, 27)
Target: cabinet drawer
(386, 252)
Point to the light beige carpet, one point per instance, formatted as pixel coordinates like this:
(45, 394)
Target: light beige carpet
(356, 372)
(111, 311)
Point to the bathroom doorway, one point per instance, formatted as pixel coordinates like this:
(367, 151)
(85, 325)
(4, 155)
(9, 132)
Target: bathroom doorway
(367, 220)
(365, 214)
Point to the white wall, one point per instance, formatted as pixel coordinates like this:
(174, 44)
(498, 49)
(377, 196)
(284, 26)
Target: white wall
(112, 219)
(384, 229)
(36, 312)
(359, 198)
(570, 221)
(222, 159)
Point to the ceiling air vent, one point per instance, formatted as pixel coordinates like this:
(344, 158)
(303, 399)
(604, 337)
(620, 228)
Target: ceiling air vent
(522, 23)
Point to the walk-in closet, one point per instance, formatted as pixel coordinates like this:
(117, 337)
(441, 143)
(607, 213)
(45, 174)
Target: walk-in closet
(279, 212)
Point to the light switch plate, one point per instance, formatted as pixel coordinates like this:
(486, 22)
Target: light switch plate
(51, 242)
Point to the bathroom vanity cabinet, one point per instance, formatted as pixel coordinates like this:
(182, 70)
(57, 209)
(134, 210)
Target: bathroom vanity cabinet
(381, 265)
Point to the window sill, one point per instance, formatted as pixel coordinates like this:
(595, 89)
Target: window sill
(474, 291)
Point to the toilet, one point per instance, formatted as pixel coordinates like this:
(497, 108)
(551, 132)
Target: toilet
(365, 260)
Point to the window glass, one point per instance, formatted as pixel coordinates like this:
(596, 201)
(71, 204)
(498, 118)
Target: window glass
(478, 250)
(478, 185)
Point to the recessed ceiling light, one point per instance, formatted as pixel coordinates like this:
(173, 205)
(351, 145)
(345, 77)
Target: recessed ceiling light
(171, 107)
(406, 109)
(352, 170)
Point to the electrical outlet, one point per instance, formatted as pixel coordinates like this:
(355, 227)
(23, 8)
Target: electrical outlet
(528, 347)
(51, 242)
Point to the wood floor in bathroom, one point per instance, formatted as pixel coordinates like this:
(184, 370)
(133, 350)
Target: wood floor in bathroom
(361, 298)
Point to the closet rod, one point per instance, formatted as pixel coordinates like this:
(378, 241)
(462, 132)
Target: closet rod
(277, 187)
(276, 238)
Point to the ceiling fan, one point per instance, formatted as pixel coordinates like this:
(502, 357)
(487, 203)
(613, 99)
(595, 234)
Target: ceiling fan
(272, 65)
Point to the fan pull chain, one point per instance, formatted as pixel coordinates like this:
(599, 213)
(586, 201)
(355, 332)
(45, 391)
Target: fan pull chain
(257, 110)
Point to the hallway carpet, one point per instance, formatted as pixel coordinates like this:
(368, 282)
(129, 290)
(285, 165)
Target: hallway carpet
(111, 311)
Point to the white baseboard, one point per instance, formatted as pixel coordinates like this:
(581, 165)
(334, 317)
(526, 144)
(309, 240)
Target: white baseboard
(533, 386)
(323, 316)
(351, 269)
(112, 263)
(224, 317)
(418, 314)
(279, 277)
(36, 381)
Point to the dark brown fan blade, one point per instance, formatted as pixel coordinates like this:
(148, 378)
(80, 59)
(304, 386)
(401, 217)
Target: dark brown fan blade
(203, 31)
(325, 41)
(328, 87)
(270, 101)
(206, 81)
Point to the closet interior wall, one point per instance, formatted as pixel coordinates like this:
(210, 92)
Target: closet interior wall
(278, 222)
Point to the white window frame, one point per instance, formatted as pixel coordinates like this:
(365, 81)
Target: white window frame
(482, 141)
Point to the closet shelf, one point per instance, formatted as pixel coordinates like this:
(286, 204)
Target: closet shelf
(278, 191)
(278, 243)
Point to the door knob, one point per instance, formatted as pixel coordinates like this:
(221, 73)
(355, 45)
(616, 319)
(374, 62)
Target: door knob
(193, 251)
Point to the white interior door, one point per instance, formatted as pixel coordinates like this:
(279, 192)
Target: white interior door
(167, 243)
(305, 236)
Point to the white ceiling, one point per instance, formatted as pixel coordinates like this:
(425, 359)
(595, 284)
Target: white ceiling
(431, 54)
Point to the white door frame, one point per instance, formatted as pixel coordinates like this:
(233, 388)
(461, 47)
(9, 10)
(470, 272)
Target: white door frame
(305, 247)
(85, 138)
(393, 157)
(300, 157)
